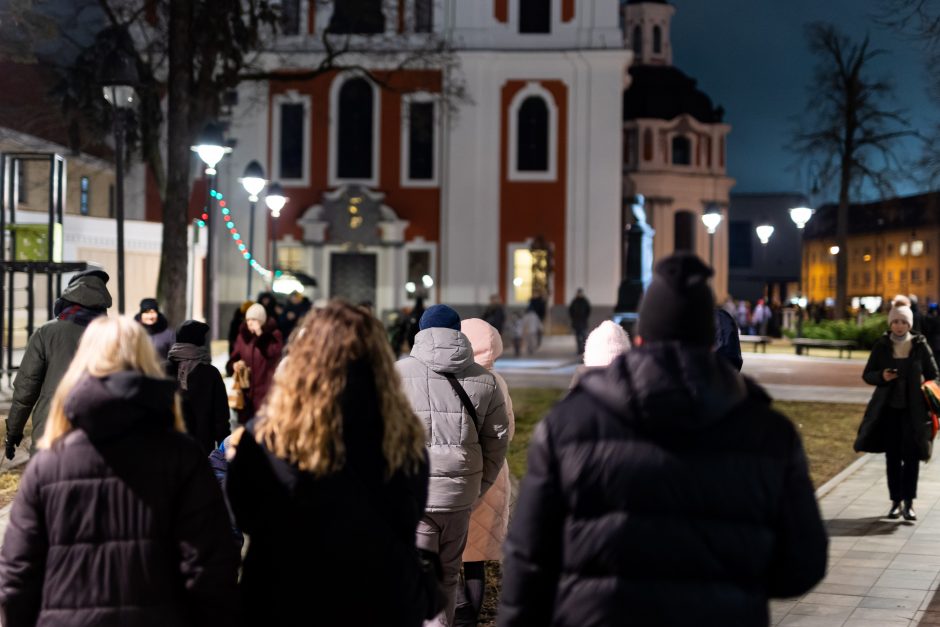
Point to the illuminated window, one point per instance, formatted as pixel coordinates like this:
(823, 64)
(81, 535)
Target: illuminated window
(84, 194)
(522, 275)
(917, 248)
(290, 258)
(902, 249)
(419, 272)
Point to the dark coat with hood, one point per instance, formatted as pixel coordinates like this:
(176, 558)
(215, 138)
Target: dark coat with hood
(121, 522)
(662, 488)
(50, 351)
(204, 403)
(261, 353)
(336, 549)
(161, 335)
(872, 433)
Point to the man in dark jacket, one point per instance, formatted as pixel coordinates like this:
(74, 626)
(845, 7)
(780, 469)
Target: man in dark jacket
(579, 310)
(50, 351)
(158, 327)
(663, 490)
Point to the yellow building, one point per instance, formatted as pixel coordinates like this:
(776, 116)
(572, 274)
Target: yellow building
(893, 248)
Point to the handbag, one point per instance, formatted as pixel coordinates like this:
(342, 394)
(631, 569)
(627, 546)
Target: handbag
(931, 391)
(241, 380)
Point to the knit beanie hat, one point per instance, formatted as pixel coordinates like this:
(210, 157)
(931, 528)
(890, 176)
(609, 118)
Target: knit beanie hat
(604, 344)
(439, 316)
(257, 312)
(149, 304)
(901, 310)
(192, 332)
(679, 304)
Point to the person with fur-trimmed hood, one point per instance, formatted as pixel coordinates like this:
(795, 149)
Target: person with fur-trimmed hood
(663, 490)
(896, 422)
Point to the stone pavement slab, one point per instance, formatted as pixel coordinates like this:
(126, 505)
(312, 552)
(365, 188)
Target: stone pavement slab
(882, 572)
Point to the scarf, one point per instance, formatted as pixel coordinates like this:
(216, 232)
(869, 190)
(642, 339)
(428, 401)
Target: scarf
(901, 345)
(186, 357)
(77, 314)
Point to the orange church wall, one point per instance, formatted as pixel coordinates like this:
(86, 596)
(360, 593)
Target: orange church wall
(532, 208)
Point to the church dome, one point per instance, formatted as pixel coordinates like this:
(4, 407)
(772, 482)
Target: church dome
(664, 92)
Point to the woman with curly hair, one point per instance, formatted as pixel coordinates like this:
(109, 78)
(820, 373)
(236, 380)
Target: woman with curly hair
(329, 482)
(118, 519)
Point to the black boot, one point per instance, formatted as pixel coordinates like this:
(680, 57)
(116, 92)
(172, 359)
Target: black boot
(895, 510)
(908, 511)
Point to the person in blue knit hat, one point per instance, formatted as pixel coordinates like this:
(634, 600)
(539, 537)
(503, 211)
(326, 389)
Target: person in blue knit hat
(459, 402)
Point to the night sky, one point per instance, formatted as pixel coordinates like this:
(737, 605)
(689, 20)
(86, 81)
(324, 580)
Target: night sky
(751, 57)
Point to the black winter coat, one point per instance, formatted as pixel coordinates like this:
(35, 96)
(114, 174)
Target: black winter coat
(663, 490)
(121, 522)
(205, 405)
(872, 437)
(331, 550)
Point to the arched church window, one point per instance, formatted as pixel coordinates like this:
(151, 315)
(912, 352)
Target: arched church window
(532, 135)
(684, 230)
(681, 150)
(647, 145)
(637, 40)
(354, 136)
(535, 16)
(657, 40)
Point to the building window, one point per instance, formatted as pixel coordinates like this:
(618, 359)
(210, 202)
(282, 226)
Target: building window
(902, 249)
(357, 17)
(418, 141)
(84, 187)
(928, 275)
(721, 152)
(902, 276)
(832, 281)
(684, 223)
(290, 17)
(889, 250)
(522, 275)
(855, 279)
(629, 147)
(917, 248)
(681, 150)
(424, 16)
(532, 130)
(290, 257)
(890, 277)
(657, 40)
(866, 279)
(637, 41)
(535, 16)
(647, 145)
(291, 136)
(739, 244)
(355, 132)
(915, 275)
(418, 273)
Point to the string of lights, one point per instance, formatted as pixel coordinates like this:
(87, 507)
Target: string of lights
(236, 235)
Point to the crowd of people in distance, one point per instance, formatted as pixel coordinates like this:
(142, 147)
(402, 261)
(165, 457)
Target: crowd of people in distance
(352, 485)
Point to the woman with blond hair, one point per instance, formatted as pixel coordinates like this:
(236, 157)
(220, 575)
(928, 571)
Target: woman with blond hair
(329, 482)
(118, 519)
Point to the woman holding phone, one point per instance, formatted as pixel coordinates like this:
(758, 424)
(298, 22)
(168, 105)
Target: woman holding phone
(896, 421)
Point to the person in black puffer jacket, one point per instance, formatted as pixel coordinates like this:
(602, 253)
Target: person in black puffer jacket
(663, 490)
(205, 401)
(329, 483)
(158, 327)
(118, 521)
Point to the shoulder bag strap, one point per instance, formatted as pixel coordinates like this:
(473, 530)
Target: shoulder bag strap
(464, 398)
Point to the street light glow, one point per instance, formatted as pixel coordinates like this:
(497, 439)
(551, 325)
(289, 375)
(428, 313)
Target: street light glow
(711, 219)
(253, 180)
(427, 281)
(764, 231)
(800, 216)
(275, 199)
(833, 250)
(210, 146)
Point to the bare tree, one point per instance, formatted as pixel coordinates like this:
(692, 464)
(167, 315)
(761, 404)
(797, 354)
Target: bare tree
(191, 54)
(849, 130)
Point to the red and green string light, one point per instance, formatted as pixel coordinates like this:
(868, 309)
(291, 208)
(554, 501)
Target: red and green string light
(236, 236)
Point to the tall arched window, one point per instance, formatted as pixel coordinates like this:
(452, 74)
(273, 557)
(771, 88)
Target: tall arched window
(647, 145)
(532, 135)
(354, 136)
(356, 17)
(535, 16)
(681, 150)
(657, 40)
(684, 230)
(637, 40)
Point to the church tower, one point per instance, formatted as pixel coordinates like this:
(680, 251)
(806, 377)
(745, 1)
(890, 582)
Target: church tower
(646, 26)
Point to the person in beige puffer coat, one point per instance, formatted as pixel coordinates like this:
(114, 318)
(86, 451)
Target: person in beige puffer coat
(490, 518)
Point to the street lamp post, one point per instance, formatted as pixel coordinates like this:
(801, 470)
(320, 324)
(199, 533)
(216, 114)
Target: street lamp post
(711, 219)
(275, 200)
(253, 181)
(211, 148)
(800, 216)
(117, 78)
(764, 233)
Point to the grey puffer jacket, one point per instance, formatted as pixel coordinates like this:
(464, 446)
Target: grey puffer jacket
(465, 457)
(50, 351)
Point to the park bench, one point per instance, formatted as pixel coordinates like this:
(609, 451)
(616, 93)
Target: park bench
(803, 344)
(756, 341)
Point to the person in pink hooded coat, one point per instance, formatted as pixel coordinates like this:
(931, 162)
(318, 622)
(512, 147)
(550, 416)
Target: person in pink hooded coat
(490, 517)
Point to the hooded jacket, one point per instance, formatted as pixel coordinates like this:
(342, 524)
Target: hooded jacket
(490, 517)
(661, 488)
(161, 335)
(121, 522)
(465, 457)
(50, 351)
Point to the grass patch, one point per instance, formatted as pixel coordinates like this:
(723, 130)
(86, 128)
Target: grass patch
(828, 430)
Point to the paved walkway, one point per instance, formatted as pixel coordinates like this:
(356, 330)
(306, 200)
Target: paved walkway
(882, 573)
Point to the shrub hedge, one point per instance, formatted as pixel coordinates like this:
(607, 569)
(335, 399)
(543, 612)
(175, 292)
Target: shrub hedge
(865, 334)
